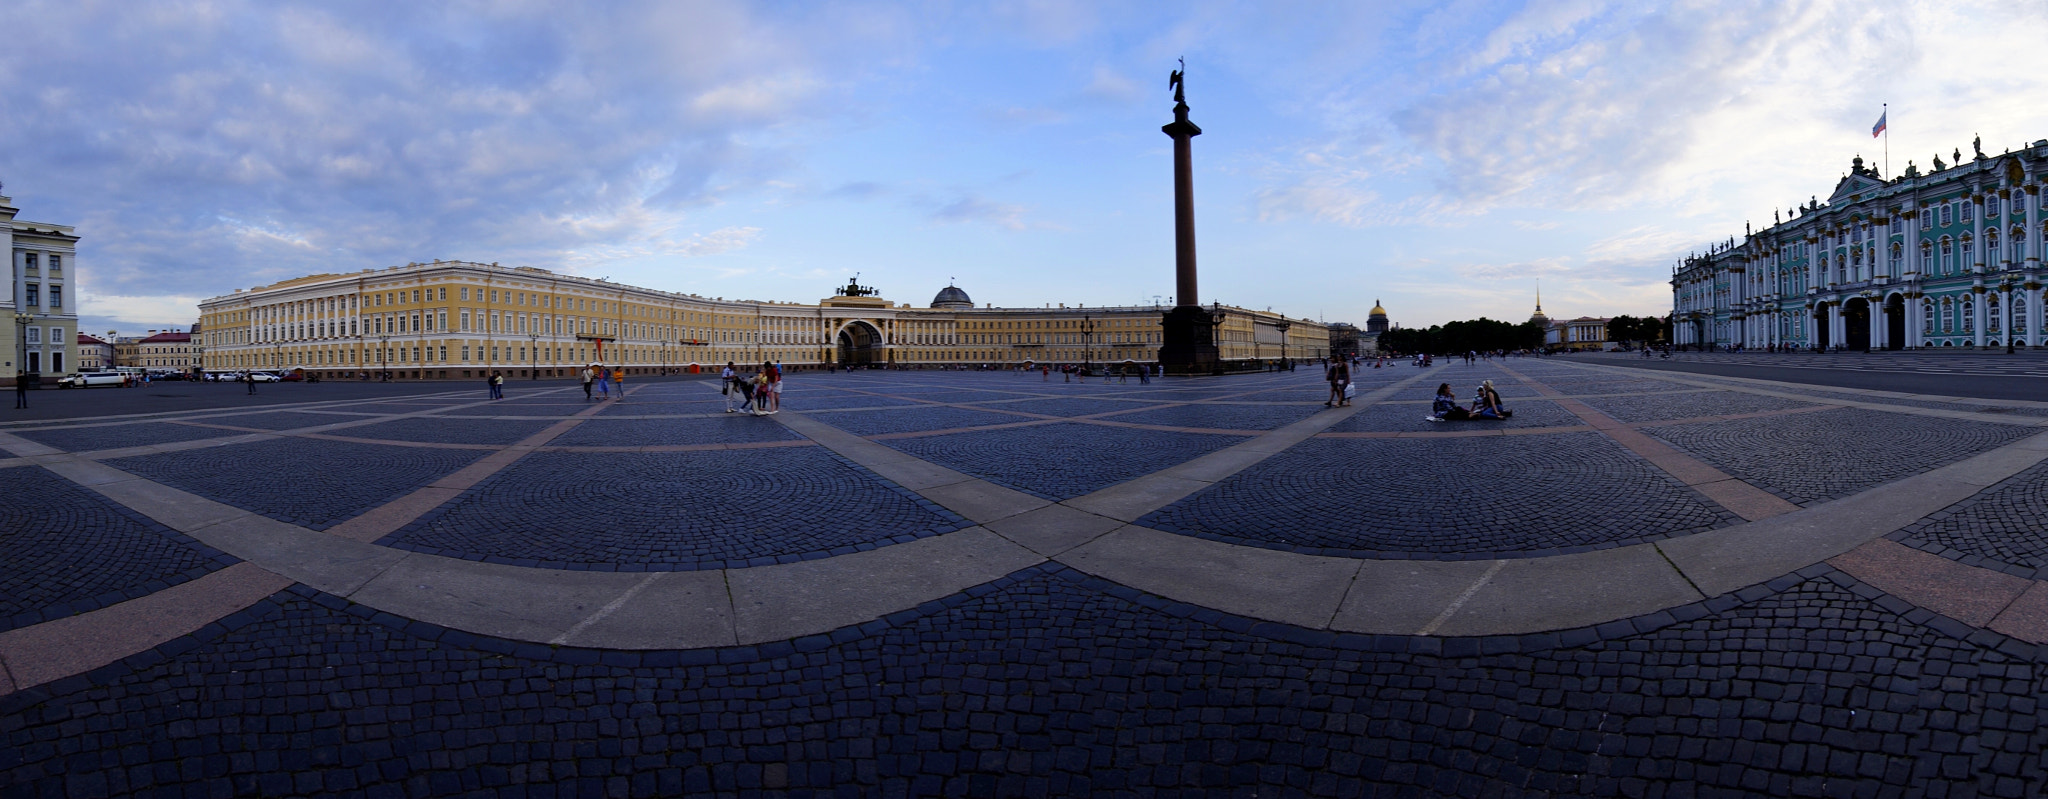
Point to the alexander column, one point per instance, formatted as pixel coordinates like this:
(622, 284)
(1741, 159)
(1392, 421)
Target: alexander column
(1188, 343)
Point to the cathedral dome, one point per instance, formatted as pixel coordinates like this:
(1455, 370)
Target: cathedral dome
(952, 297)
(1376, 309)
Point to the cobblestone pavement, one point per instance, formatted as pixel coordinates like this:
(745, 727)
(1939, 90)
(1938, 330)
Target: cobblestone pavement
(896, 606)
(1413, 417)
(312, 483)
(67, 550)
(721, 429)
(1446, 498)
(85, 439)
(1061, 461)
(2001, 528)
(1691, 405)
(1045, 683)
(627, 511)
(1812, 457)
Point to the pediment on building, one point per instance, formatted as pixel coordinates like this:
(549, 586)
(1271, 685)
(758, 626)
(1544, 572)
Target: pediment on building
(1854, 186)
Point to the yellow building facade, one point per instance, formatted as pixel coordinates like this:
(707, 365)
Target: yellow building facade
(457, 319)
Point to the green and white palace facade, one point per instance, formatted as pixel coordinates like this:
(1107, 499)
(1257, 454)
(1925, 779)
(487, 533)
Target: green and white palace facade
(1949, 258)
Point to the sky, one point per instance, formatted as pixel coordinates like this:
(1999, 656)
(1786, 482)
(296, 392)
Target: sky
(1441, 158)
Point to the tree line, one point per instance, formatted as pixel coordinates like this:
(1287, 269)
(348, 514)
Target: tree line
(1464, 336)
(1489, 334)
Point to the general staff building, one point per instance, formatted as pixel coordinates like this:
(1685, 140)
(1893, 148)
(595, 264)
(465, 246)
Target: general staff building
(455, 319)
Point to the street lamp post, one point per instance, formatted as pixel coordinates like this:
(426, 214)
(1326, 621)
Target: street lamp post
(383, 358)
(21, 323)
(1087, 342)
(1282, 326)
(533, 347)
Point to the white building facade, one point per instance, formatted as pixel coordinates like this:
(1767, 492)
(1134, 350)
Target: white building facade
(41, 306)
(1946, 259)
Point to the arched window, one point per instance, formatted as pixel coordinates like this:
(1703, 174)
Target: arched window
(1927, 316)
(1948, 258)
(1898, 259)
(1948, 316)
(2019, 314)
(1968, 261)
(1926, 254)
(1969, 315)
(2019, 245)
(1991, 320)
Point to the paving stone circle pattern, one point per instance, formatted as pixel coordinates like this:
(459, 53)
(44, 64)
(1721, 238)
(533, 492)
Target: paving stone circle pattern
(990, 583)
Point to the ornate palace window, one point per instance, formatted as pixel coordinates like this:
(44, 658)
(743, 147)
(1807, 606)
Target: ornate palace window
(2019, 244)
(1968, 261)
(1948, 316)
(1948, 214)
(1991, 319)
(1927, 316)
(1948, 248)
(1969, 316)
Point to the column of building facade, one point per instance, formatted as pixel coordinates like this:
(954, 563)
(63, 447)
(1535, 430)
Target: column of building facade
(1977, 311)
(2030, 194)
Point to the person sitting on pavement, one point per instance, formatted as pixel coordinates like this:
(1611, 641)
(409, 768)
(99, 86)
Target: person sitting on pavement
(1446, 407)
(1487, 405)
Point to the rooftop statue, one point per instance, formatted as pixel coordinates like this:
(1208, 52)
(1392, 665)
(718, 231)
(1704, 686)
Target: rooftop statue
(1911, 170)
(1978, 145)
(1938, 165)
(853, 288)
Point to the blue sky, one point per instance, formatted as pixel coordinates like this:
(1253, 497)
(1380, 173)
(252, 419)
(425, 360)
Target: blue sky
(1441, 158)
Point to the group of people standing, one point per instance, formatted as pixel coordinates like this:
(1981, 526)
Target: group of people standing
(595, 375)
(759, 393)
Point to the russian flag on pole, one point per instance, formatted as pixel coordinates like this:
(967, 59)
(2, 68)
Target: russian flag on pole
(1879, 127)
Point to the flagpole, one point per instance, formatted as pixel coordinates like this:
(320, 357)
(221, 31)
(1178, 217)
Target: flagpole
(1887, 117)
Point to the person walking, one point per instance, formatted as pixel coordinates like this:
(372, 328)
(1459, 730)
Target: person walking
(20, 389)
(1339, 376)
(250, 378)
(587, 378)
(619, 382)
(604, 380)
(496, 382)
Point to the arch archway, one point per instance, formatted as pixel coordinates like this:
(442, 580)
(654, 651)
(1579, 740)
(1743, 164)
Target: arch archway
(1856, 324)
(1895, 322)
(1822, 336)
(859, 344)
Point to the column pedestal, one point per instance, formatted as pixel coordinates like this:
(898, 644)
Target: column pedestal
(1188, 342)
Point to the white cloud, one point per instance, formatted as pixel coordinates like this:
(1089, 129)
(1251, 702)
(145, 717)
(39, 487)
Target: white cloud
(973, 209)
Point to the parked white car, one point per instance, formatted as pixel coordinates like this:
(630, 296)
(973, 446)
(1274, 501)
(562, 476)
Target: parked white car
(90, 379)
(264, 377)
